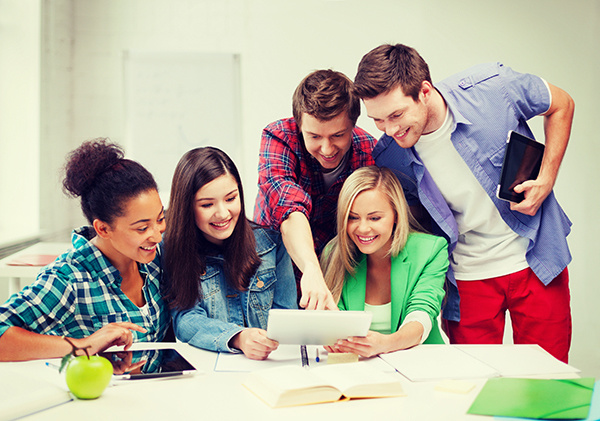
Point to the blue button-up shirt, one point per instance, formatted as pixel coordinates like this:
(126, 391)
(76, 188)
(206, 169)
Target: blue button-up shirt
(486, 101)
(223, 312)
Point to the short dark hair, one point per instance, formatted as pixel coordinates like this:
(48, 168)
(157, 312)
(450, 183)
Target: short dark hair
(325, 94)
(97, 173)
(388, 66)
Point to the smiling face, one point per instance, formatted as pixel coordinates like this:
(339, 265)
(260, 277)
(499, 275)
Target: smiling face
(400, 116)
(217, 207)
(136, 233)
(371, 222)
(328, 141)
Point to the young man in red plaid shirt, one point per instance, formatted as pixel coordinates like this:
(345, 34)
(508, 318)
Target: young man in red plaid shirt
(303, 163)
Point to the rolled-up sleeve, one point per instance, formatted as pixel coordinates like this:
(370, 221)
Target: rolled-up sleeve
(195, 327)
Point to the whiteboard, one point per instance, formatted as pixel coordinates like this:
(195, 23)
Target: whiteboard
(177, 101)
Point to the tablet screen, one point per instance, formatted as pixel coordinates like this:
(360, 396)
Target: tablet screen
(148, 363)
(522, 161)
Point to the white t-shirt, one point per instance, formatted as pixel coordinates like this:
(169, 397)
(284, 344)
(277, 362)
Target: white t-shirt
(486, 247)
(382, 319)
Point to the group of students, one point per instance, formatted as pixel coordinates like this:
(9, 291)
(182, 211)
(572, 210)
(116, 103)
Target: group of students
(331, 229)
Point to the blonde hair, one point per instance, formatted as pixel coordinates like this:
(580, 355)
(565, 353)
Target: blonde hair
(341, 254)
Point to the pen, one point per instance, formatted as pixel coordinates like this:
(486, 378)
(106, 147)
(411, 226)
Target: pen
(317, 358)
(143, 376)
(49, 364)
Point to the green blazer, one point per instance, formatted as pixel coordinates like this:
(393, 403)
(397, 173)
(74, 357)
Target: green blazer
(417, 277)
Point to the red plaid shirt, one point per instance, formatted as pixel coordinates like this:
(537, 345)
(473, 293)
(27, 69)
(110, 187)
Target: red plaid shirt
(290, 180)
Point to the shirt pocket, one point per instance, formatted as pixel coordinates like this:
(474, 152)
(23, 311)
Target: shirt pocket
(262, 290)
(497, 157)
(210, 283)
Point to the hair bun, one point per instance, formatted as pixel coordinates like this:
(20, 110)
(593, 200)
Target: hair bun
(86, 163)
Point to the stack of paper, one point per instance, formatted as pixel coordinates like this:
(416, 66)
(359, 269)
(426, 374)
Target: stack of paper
(434, 362)
(437, 362)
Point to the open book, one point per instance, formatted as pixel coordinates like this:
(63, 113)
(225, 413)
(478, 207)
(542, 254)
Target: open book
(294, 385)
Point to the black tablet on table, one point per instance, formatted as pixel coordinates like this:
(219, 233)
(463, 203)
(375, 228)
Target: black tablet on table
(148, 363)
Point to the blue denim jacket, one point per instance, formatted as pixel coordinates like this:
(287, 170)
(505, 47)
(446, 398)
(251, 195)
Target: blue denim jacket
(223, 312)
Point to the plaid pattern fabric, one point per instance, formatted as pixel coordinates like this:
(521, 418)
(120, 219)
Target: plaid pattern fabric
(290, 180)
(81, 292)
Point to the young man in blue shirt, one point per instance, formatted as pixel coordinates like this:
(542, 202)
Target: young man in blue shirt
(446, 144)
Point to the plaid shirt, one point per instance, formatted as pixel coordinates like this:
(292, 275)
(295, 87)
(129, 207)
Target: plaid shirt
(81, 292)
(290, 180)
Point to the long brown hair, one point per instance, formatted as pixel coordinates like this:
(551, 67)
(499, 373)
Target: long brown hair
(186, 247)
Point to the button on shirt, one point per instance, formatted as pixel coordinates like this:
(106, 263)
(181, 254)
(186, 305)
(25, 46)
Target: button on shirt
(81, 292)
(486, 101)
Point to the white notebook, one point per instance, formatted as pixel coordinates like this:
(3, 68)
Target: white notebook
(437, 362)
(518, 360)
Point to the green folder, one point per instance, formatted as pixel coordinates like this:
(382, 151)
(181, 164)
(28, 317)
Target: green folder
(535, 398)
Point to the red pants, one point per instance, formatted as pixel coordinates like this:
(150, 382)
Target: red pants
(540, 314)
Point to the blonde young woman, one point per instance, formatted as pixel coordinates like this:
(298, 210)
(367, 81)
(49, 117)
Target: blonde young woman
(378, 262)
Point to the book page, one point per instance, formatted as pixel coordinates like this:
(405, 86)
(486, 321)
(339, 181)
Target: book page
(360, 380)
(290, 385)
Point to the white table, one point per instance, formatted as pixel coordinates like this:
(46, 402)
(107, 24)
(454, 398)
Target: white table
(19, 276)
(220, 395)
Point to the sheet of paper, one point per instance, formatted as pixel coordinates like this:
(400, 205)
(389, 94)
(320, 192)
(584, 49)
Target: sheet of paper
(283, 355)
(518, 360)
(437, 362)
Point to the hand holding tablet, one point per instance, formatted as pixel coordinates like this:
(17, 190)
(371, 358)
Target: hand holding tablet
(522, 162)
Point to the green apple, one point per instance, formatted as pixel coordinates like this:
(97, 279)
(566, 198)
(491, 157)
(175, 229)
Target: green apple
(87, 377)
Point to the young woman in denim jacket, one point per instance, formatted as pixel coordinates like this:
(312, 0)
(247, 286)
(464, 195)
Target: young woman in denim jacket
(224, 272)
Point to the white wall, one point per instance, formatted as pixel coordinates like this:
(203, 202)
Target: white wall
(19, 118)
(280, 41)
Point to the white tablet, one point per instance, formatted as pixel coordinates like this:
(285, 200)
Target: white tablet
(316, 327)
